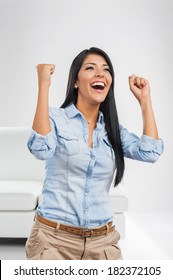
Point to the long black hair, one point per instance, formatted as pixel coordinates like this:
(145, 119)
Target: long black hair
(108, 107)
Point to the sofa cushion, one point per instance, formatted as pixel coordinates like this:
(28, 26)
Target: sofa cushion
(16, 162)
(24, 195)
(19, 195)
(16, 224)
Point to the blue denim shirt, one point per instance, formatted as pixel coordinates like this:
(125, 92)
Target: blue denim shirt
(78, 178)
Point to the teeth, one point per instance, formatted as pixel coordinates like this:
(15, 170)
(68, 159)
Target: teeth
(98, 84)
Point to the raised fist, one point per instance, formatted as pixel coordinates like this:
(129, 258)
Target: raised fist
(44, 72)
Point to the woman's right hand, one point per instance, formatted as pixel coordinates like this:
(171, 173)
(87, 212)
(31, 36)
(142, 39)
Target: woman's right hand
(44, 72)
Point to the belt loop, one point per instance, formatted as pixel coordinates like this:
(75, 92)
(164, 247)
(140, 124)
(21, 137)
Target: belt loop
(107, 229)
(35, 217)
(57, 228)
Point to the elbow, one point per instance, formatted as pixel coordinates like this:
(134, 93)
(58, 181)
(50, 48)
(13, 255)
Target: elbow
(42, 155)
(151, 154)
(150, 157)
(155, 158)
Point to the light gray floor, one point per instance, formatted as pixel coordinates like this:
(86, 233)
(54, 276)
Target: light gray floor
(148, 236)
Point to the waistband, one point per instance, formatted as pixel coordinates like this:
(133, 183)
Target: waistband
(88, 232)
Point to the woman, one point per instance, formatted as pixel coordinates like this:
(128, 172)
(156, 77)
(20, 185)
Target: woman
(83, 144)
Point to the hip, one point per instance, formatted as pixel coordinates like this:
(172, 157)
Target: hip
(48, 242)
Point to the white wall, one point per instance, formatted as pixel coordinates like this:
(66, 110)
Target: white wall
(138, 37)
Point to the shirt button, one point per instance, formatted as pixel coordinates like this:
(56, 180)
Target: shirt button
(86, 193)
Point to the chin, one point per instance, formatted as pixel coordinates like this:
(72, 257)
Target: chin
(100, 99)
(97, 102)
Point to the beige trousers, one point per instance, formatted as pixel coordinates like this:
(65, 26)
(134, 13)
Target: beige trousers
(47, 243)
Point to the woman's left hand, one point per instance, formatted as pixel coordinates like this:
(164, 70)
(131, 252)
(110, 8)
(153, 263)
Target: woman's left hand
(140, 88)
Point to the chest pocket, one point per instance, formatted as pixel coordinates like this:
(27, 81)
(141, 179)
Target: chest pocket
(67, 143)
(108, 147)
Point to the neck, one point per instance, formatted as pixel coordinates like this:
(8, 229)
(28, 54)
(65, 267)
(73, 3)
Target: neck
(90, 112)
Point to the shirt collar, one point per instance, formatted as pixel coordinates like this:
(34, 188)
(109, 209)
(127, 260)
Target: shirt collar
(72, 111)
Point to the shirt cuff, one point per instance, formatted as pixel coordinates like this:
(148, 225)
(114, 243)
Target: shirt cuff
(40, 142)
(148, 144)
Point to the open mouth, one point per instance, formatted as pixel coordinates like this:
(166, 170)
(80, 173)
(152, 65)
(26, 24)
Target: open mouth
(99, 86)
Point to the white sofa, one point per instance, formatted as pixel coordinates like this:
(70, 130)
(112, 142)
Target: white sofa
(21, 181)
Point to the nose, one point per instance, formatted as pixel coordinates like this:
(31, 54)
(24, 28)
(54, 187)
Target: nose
(100, 73)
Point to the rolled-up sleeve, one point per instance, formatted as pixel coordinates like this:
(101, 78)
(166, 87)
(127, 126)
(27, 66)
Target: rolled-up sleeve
(144, 148)
(43, 146)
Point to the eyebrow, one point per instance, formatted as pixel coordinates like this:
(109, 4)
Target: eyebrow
(94, 64)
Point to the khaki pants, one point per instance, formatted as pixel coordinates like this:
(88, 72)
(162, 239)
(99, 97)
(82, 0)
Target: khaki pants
(47, 243)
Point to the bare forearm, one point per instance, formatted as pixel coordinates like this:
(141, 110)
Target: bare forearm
(141, 89)
(41, 123)
(149, 122)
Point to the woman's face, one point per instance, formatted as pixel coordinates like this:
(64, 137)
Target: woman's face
(94, 80)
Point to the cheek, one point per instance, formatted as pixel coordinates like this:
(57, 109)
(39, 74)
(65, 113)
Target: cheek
(110, 80)
(82, 82)
(84, 85)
